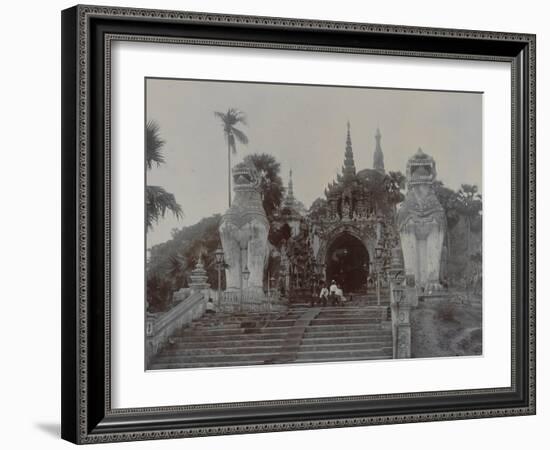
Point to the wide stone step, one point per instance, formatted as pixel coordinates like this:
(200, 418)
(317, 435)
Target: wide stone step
(183, 360)
(344, 354)
(340, 347)
(345, 311)
(367, 310)
(280, 326)
(336, 317)
(345, 321)
(346, 327)
(337, 340)
(304, 360)
(219, 351)
(336, 334)
(236, 331)
(240, 318)
(311, 333)
(249, 341)
(244, 323)
(271, 347)
(220, 359)
(339, 309)
(280, 332)
(201, 365)
(253, 362)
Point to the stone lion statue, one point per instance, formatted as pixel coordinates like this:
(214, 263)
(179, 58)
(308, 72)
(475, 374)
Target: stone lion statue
(422, 223)
(243, 231)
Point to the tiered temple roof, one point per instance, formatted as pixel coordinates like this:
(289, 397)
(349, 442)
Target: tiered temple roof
(378, 160)
(348, 170)
(289, 200)
(350, 194)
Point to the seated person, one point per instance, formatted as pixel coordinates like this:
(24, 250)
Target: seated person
(210, 308)
(323, 295)
(340, 294)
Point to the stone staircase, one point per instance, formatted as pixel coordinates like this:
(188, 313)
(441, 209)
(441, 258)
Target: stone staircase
(360, 330)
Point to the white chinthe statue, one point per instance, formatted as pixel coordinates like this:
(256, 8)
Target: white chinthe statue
(243, 231)
(422, 224)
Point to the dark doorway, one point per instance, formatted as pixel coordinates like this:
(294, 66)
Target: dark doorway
(348, 263)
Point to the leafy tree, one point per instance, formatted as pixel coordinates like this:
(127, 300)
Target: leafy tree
(158, 293)
(158, 201)
(271, 182)
(172, 261)
(448, 199)
(232, 134)
(176, 271)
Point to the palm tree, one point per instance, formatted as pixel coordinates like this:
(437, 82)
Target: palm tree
(468, 205)
(153, 145)
(158, 201)
(229, 120)
(271, 182)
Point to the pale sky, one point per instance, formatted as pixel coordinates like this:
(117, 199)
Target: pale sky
(304, 128)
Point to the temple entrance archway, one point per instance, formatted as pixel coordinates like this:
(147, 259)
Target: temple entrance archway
(347, 262)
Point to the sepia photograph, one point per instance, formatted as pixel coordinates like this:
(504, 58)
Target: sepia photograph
(299, 224)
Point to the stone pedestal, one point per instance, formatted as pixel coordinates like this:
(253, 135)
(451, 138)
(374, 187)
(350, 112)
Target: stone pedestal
(199, 279)
(402, 299)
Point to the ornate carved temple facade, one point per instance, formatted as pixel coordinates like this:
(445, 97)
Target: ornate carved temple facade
(337, 239)
(347, 236)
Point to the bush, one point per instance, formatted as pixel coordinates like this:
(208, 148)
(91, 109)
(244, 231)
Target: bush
(446, 313)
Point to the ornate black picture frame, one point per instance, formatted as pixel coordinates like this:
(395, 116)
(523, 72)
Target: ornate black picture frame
(87, 34)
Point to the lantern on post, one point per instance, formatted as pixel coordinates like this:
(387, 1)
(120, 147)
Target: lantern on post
(378, 251)
(219, 265)
(245, 275)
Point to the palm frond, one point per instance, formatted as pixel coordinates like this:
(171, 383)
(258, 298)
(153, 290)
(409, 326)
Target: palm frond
(220, 116)
(158, 203)
(241, 137)
(153, 145)
(238, 116)
(231, 118)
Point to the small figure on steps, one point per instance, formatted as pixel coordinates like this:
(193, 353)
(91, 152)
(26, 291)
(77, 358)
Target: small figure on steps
(210, 308)
(323, 295)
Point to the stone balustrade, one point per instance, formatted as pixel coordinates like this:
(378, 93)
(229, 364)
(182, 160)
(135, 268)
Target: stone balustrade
(248, 302)
(159, 328)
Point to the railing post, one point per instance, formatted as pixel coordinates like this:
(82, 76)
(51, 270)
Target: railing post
(403, 297)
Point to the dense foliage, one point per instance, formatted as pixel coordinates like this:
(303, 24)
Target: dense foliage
(170, 263)
(463, 210)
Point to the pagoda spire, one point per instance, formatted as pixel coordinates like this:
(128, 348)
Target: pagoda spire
(378, 160)
(349, 164)
(290, 191)
(289, 200)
